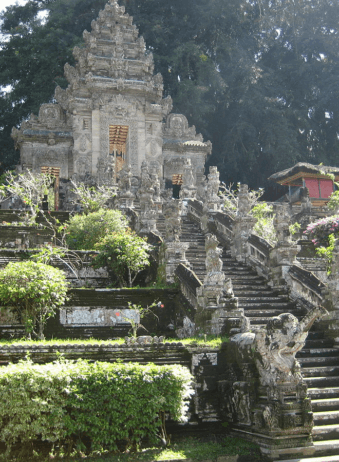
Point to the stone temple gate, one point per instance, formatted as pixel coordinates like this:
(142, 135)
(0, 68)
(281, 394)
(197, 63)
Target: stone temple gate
(112, 113)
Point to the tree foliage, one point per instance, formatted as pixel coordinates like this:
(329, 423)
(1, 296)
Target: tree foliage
(34, 291)
(259, 78)
(84, 231)
(124, 255)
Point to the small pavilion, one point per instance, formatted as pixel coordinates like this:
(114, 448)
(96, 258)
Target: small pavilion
(318, 179)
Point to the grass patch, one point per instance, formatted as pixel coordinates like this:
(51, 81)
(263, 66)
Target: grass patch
(203, 341)
(55, 341)
(210, 341)
(189, 448)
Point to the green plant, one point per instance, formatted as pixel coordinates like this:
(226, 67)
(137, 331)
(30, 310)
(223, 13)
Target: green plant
(327, 252)
(141, 313)
(92, 198)
(101, 405)
(264, 226)
(294, 228)
(230, 198)
(124, 255)
(84, 231)
(30, 188)
(35, 291)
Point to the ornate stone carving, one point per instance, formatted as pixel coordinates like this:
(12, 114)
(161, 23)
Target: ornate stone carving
(188, 188)
(171, 211)
(244, 204)
(212, 198)
(51, 115)
(176, 127)
(105, 168)
(214, 263)
(281, 222)
(275, 346)
(72, 76)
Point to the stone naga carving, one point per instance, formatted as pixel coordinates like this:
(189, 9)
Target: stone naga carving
(274, 348)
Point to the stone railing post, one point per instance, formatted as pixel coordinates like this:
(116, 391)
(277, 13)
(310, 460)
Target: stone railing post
(242, 226)
(125, 197)
(147, 209)
(331, 297)
(218, 311)
(283, 255)
(188, 188)
(174, 253)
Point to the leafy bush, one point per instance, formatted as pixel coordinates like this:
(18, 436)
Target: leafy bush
(103, 405)
(34, 290)
(84, 231)
(323, 234)
(124, 254)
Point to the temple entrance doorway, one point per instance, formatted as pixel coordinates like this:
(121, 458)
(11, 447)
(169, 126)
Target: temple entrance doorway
(176, 182)
(53, 191)
(118, 135)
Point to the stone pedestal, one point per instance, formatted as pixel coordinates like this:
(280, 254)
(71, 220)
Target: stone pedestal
(242, 229)
(174, 255)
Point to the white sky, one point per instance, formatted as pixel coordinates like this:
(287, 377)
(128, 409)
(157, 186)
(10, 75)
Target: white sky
(4, 3)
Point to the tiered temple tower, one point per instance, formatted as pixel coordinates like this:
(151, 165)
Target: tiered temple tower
(111, 113)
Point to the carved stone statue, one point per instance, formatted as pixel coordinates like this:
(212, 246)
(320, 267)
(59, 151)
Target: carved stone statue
(274, 348)
(244, 205)
(188, 188)
(213, 260)
(171, 211)
(213, 200)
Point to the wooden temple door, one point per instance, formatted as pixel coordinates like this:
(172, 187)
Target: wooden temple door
(54, 173)
(118, 146)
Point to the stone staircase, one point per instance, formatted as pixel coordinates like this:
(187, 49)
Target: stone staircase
(319, 361)
(319, 358)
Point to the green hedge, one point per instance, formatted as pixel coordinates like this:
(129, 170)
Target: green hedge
(102, 404)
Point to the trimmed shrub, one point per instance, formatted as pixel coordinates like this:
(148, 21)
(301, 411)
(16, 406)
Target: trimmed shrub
(84, 231)
(104, 405)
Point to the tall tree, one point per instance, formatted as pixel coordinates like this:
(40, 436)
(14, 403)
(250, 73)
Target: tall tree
(258, 78)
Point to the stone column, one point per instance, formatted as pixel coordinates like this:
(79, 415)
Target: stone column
(242, 226)
(125, 196)
(188, 187)
(213, 200)
(283, 255)
(95, 140)
(217, 307)
(174, 249)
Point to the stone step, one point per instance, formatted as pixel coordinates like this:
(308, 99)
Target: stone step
(325, 404)
(315, 361)
(311, 459)
(323, 371)
(264, 304)
(318, 393)
(326, 448)
(262, 297)
(317, 382)
(325, 432)
(318, 343)
(318, 352)
(326, 417)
